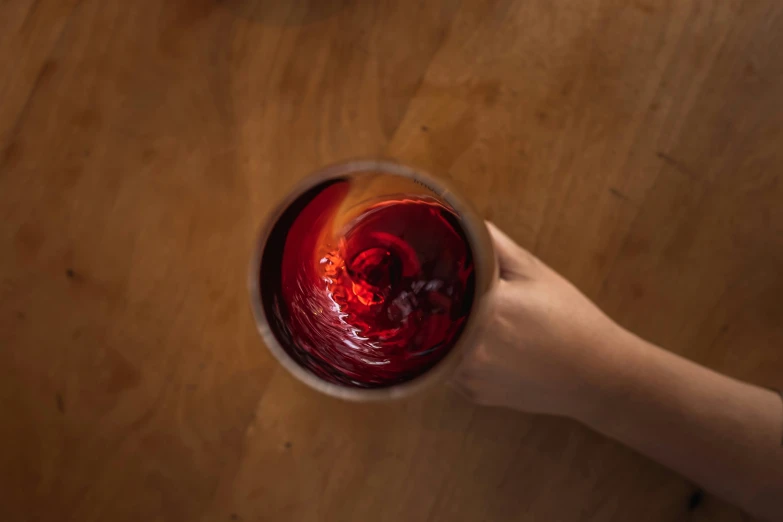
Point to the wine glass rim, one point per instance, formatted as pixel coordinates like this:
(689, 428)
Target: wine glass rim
(485, 268)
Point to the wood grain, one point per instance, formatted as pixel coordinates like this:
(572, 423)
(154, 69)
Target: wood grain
(633, 145)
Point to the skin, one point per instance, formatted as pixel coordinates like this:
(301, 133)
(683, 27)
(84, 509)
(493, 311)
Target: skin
(550, 350)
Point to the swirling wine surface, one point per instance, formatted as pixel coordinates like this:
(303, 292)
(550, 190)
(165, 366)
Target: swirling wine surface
(381, 299)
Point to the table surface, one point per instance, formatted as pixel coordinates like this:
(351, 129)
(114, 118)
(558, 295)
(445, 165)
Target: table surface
(635, 146)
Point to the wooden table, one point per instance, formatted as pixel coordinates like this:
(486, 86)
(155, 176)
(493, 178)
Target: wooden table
(637, 147)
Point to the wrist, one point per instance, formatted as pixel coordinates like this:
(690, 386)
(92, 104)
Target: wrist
(619, 358)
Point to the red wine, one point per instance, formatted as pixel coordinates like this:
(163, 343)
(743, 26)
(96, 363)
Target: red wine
(378, 302)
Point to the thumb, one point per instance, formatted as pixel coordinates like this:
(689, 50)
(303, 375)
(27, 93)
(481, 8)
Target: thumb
(515, 262)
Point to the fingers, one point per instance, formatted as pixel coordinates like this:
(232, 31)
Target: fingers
(465, 378)
(515, 261)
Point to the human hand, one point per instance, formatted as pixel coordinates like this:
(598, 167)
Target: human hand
(547, 348)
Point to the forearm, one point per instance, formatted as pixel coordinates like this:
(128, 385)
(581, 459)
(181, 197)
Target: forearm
(723, 434)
